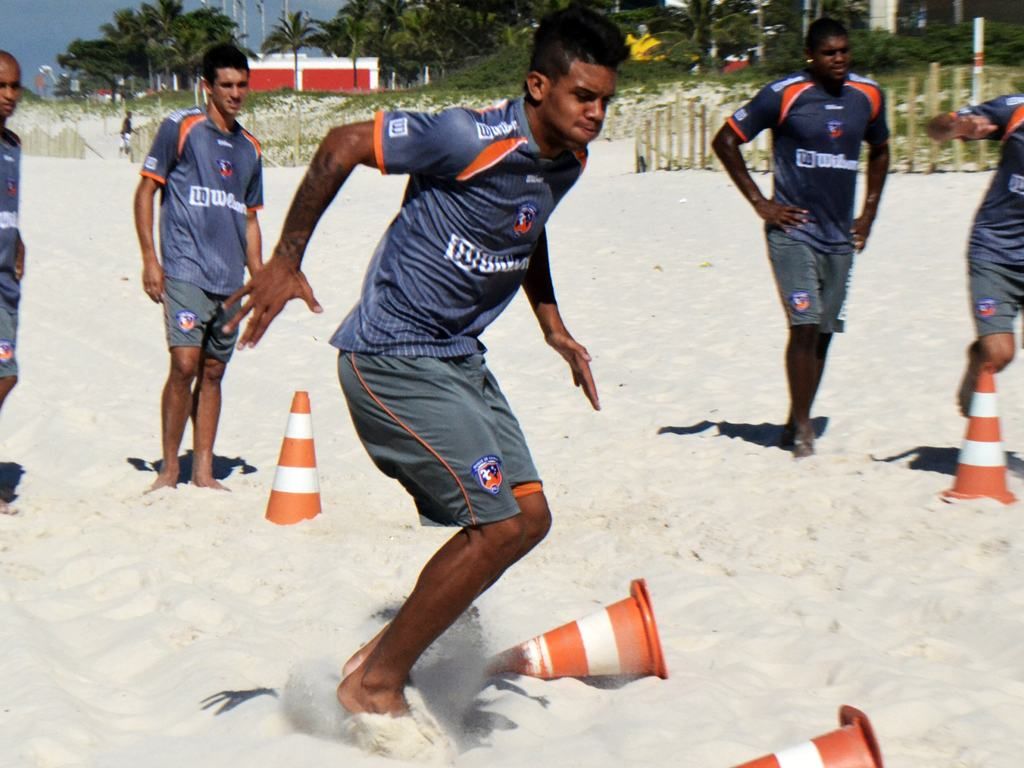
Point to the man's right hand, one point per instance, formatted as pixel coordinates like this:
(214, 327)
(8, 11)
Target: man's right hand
(278, 282)
(153, 281)
(785, 217)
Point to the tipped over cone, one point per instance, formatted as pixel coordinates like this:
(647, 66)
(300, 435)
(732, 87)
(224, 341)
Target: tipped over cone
(295, 495)
(621, 639)
(981, 469)
(852, 745)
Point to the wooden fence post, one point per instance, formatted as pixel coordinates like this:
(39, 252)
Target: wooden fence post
(932, 109)
(911, 122)
(958, 91)
(693, 133)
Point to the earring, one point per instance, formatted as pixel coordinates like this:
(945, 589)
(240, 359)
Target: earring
(809, 61)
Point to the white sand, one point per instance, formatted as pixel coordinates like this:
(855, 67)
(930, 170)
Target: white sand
(782, 589)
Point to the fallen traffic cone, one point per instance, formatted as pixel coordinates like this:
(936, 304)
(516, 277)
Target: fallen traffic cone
(851, 746)
(982, 467)
(296, 493)
(621, 639)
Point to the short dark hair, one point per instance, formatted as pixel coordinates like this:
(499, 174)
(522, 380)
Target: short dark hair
(821, 30)
(576, 34)
(223, 56)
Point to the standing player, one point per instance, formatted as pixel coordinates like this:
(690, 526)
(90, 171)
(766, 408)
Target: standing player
(125, 147)
(995, 251)
(818, 119)
(209, 170)
(12, 248)
(471, 230)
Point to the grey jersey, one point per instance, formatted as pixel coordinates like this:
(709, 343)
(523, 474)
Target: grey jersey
(211, 180)
(10, 174)
(478, 198)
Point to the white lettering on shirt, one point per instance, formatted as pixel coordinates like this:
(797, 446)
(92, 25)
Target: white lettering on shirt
(808, 158)
(470, 258)
(204, 197)
(1017, 184)
(487, 132)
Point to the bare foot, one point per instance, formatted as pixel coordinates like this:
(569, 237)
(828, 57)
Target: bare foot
(359, 656)
(355, 697)
(803, 442)
(788, 436)
(164, 480)
(6, 509)
(209, 483)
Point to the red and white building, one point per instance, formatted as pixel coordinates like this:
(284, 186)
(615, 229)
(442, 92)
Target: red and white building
(316, 73)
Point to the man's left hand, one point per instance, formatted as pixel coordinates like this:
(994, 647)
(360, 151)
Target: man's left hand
(860, 231)
(578, 358)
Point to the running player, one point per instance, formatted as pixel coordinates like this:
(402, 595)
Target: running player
(209, 169)
(818, 118)
(995, 251)
(470, 232)
(12, 248)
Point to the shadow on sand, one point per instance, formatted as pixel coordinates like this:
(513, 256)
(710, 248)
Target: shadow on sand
(764, 434)
(223, 467)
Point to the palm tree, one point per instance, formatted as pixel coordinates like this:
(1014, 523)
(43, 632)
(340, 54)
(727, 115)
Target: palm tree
(159, 22)
(293, 32)
(348, 32)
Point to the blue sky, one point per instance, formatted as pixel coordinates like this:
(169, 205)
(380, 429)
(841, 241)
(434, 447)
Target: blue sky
(36, 31)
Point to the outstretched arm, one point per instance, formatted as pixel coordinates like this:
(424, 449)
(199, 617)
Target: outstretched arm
(281, 280)
(541, 293)
(727, 146)
(878, 167)
(950, 125)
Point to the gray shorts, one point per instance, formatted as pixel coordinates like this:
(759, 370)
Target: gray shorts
(444, 430)
(997, 291)
(195, 318)
(812, 285)
(8, 343)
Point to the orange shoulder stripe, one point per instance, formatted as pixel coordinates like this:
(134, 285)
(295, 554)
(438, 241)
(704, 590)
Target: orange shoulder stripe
(185, 127)
(736, 128)
(873, 94)
(254, 141)
(378, 140)
(150, 175)
(492, 155)
(581, 158)
(1016, 121)
(789, 96)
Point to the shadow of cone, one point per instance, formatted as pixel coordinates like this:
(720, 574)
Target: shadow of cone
(621, 639)
(981, 472)
(295, 495)
(853, 745)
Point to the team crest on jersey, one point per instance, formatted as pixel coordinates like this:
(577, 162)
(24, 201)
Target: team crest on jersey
(985, 307)
(800, 301)
(525, 216)
(6, 350)
(835, 128)
(487, 471)
(12, 186)
(225, 168)
(186, 320)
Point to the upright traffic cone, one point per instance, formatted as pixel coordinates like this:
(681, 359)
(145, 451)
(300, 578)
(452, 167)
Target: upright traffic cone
(296, 493)
(982, 467)
(621, 639)
(853, 745)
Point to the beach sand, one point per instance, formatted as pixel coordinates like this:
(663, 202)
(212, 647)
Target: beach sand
(782, 589)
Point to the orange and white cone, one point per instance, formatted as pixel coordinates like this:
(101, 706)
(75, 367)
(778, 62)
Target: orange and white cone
(621, 639)
(853, 745)
(982, 467)
(296, 493)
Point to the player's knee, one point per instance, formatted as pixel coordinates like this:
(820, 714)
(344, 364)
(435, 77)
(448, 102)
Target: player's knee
(213, 371)
(536, 517)
(998, 350)
(184, 369)
(503, 540)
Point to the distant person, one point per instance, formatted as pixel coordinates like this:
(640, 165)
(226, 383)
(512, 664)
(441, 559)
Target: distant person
(12, 248)
(470, 232)
(818, 118)
(126, 136)
(209, 169)
(995, 249)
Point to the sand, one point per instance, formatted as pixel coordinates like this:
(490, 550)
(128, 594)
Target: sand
(782, 589)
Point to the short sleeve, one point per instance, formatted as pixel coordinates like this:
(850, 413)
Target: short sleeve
(999, 112)
(164, 152)
(760, 113)
(254, 191)
(877, 132)
(443, 144)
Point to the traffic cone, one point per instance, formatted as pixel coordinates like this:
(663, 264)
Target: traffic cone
(982, 466)
(296, 493)
(621, 639)
(853, 745)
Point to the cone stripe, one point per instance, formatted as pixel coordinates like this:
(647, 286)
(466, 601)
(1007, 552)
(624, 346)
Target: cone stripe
(598, 637)
(293, 507)
(296, 480)
(297, 453)
(984, 405)
(983, 430)
(982, 454)
(630, 636)
(300, 426)
(805, 755)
